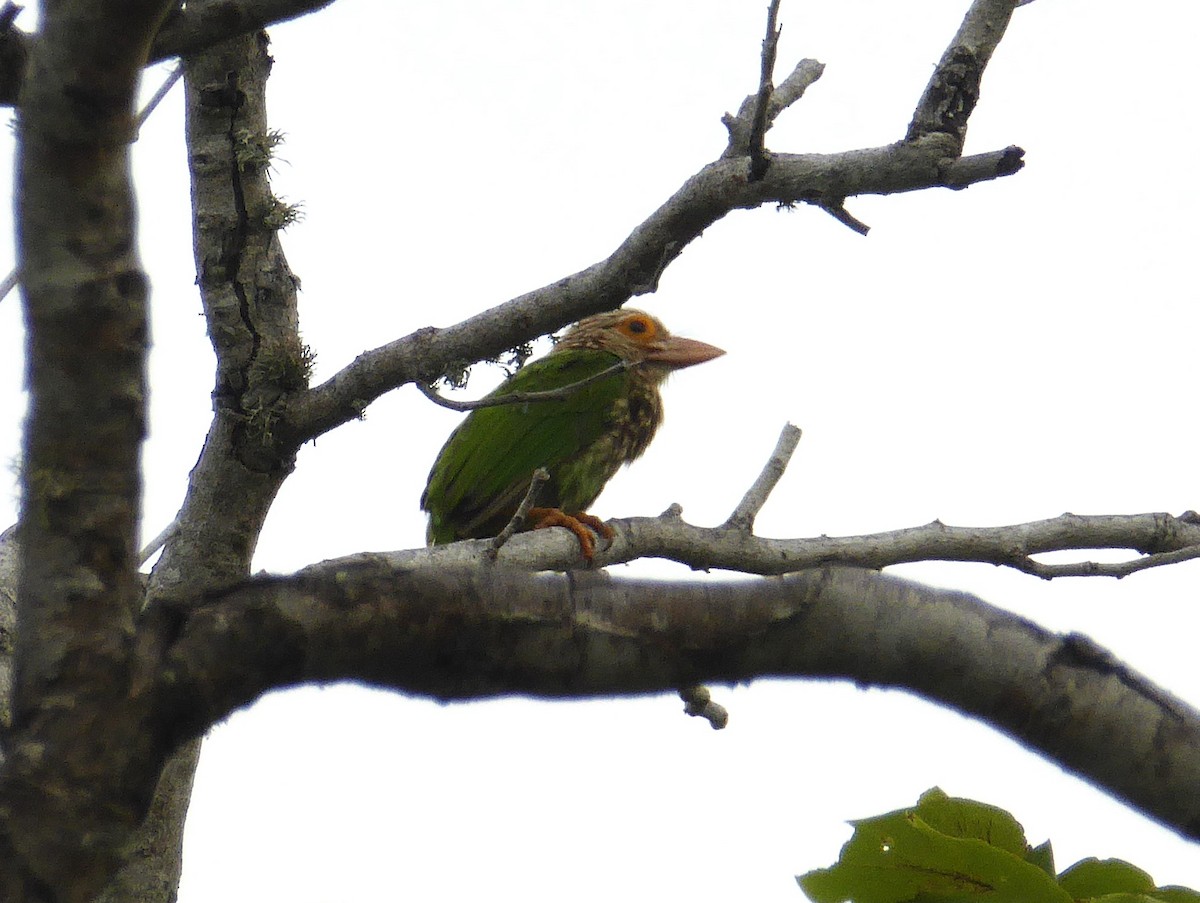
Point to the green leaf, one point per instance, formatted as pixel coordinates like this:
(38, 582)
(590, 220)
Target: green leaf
(1091, 878)
(949, 850)
(901, 856)
(958, 817)
(1175, 894)
(1043, 857)
(1156, 895)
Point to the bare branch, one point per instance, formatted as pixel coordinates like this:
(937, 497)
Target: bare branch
(85, 297)
(540, 478)
(702, 200)
(560, 394)
(1104, 568)
(157, 542)
(756, 496)
(759, 160)
(952, 92)
(789, 91)
(168, 83)
(488, 630)
(698, 702)
(977, 168)
(839, 212)
(1011, 546)
(929, 157)
(792, 88)
(669, 536)
(189, 30)
(11, 281)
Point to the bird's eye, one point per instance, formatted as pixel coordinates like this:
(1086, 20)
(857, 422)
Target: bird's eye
(638, 328)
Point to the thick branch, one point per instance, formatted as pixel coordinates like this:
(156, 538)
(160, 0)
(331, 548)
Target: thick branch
(8, 625)
(186, 31)
(470, 633)
(718, 189)
(85, 301)
(200, 26)
(210, 542)
(953, 90)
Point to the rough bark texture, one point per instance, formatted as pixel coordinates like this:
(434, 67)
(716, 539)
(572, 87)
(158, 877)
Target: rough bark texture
(79, 588)
(8, 625)
(249, 296)
(85, 297)
(489, 630)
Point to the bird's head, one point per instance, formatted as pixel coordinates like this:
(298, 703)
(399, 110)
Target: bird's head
(637, 338)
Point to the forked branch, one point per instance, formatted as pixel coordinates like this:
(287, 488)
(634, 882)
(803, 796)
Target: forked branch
(929, 156)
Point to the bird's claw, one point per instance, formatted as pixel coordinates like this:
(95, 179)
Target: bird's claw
(579, 524)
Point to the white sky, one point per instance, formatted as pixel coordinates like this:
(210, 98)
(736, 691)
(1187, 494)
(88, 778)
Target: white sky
(992, 356)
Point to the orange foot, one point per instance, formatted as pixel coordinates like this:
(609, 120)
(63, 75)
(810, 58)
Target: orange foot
(577, 523)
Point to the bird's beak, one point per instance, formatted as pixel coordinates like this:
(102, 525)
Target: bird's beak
(677, 352)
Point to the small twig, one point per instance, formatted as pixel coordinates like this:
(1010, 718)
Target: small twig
(792, 88)
(759, 161)
(539, 478)
(697, 702)
(783, 96)
(839, 212)
(756, 496)
(1116, 569)
(163, 89)
(558, 394)
(11, 281)
(158, 542)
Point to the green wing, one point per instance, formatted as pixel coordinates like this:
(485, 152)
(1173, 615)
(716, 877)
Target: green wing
(483, 470)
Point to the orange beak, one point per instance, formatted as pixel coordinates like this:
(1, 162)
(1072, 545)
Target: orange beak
(677, 352)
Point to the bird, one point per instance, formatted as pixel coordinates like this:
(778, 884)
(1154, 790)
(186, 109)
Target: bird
(616, 362)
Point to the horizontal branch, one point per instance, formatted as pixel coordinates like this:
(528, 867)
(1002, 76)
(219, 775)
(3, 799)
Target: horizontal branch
(187, 30)
(1164, 539)
(482, 631)
(634, 267)
(197, 27)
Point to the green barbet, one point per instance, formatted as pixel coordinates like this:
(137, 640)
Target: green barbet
(484, 469)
